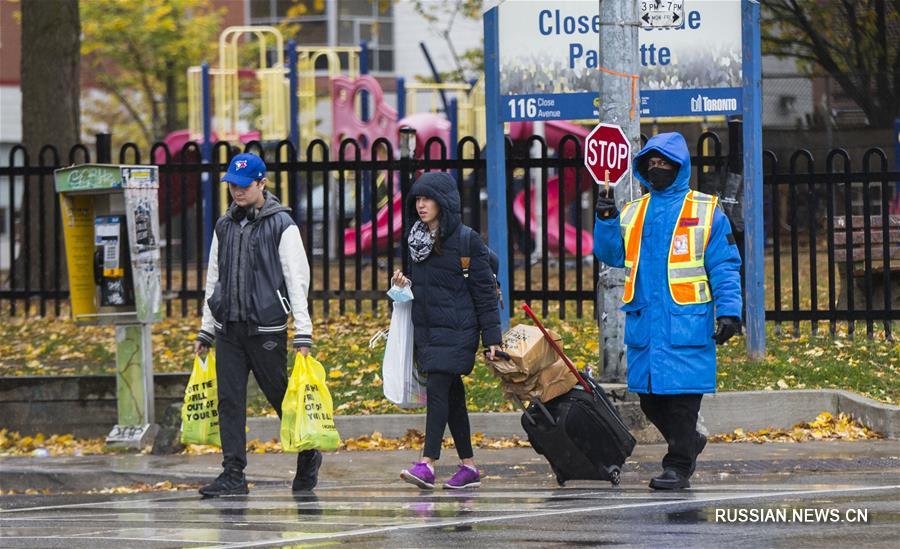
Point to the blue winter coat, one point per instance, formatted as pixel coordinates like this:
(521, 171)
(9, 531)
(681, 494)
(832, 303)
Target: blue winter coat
(670, 349)
(449, 311)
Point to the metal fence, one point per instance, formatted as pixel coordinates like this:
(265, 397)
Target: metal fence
(833, 240)
(811, 275)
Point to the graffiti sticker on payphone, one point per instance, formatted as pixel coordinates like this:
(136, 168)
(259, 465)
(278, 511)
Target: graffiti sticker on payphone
(139, 177)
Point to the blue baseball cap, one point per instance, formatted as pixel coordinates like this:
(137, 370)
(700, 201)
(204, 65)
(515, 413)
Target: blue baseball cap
(244, 169)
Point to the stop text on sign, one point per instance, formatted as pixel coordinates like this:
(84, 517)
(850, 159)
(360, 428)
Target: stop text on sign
(607, 153)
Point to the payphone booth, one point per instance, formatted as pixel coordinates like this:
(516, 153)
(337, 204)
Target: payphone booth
(110, 219)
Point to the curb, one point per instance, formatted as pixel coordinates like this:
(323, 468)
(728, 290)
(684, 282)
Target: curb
(752, 410)
(721, 413)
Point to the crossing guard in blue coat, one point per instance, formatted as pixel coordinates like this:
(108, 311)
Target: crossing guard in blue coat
(671, 348)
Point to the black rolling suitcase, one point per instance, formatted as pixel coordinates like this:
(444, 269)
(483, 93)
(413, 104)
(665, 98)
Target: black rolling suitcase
(580, 433)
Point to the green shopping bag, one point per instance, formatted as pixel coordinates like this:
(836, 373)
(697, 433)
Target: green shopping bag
(307, 413)
(200, 412)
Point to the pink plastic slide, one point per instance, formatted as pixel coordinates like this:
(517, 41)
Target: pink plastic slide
(553, 213)
(381, 220)
(554, 131)
(427, 125)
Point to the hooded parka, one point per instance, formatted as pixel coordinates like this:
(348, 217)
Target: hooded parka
(670, 348)
(450, 311)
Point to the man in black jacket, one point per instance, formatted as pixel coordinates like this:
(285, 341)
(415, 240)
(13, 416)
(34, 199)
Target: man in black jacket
(258, 273)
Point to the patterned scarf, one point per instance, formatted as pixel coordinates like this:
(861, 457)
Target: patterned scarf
(421, 241)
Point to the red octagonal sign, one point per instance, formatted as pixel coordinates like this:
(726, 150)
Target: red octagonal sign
(607, 154)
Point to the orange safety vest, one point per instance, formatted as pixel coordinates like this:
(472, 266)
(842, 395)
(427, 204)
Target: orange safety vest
(688, 282)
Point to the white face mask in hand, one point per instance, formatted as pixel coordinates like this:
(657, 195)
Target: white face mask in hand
(400, 294)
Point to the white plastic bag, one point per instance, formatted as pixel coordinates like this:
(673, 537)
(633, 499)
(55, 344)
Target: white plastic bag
(401, 381)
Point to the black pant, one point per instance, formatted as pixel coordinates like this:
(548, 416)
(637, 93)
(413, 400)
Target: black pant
(676, 418)
(238, 354)
(446, 405)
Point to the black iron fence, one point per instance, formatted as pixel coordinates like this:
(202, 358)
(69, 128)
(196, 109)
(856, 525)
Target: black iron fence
(832, 244)
(834, 240)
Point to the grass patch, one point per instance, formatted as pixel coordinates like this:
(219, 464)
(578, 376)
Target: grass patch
(868, 367)
(59, 347)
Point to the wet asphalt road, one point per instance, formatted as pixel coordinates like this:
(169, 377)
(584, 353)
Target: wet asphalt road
(524, 510)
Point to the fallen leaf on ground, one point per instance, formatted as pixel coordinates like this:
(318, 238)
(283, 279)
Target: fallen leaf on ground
(825, 427)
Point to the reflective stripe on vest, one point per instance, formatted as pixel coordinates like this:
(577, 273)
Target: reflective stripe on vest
(688, 282)
(631, 224)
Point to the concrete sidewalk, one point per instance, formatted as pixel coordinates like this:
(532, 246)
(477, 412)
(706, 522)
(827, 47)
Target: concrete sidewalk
(352, 469)
(721, 413)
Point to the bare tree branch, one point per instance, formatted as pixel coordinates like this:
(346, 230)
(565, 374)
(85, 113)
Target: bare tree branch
(132, 111)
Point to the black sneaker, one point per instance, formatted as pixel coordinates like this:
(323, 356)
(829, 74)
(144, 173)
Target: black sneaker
(229, 483)
(669, 480)
(307, 476)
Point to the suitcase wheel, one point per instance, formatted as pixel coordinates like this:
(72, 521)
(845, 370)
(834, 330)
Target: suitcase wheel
(614, 476)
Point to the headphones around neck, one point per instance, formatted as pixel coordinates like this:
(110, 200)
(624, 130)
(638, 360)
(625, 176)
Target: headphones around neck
(249, 213)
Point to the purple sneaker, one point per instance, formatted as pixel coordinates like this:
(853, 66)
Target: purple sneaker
(465, 477)
(420, 474)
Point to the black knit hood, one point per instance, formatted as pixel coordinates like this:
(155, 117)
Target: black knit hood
(440, 187)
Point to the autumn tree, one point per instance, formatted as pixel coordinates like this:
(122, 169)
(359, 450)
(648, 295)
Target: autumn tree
(441, 16)
(139, 53)
(50, 79)
(855, 42)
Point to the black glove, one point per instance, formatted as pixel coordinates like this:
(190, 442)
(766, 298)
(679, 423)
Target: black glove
(606, 205)
(727, 327)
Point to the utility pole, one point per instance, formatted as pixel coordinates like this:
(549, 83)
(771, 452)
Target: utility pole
(620, 105)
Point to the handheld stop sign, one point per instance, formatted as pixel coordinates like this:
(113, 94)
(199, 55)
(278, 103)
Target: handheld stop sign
(607, 154)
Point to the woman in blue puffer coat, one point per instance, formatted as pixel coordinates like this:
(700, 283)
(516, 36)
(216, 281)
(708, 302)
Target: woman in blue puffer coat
(451, 310)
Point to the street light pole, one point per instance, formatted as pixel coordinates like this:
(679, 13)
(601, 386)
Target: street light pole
(619, 105)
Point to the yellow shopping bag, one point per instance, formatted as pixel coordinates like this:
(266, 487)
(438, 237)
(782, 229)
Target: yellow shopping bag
(307, 414)
(200, 413)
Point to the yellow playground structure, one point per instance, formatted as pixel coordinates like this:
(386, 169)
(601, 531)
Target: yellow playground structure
(236, 114)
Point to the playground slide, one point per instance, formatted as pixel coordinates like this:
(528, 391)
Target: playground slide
(554, 131)
(365, 232)
(554, 210)
(427, 125)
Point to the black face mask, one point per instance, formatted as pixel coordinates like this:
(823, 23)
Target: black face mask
(660, 178)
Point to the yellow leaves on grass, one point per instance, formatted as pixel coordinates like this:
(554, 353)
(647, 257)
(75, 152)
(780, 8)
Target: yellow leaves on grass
(14, 444)
(412, 440)
(815, 352)
(825, 427)
(36, 346)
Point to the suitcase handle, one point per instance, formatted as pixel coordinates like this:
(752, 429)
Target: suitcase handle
(524, 409)
(540, 405)
(557, 348)
(498, 354)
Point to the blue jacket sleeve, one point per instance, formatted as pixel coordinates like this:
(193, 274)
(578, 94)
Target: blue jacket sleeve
(608, 244)
(484, 293)
(723, 267)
